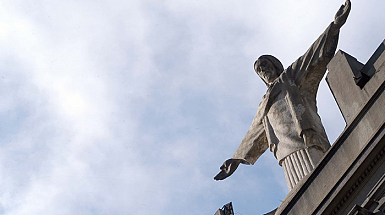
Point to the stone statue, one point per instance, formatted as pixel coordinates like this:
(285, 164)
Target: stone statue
(287, 121)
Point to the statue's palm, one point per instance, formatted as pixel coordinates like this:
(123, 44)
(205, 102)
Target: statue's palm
(227, 169)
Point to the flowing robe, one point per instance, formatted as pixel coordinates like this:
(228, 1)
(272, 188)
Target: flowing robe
(289, 107)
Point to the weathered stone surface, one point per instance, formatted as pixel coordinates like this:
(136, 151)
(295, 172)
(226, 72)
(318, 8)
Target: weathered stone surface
(355, 162)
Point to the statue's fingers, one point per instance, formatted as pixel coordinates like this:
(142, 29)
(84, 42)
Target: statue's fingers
(348, 3)
(223, 167)
(221, 175)
(348, 6)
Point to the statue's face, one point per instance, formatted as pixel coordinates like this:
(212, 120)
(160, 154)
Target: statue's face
(266, 70)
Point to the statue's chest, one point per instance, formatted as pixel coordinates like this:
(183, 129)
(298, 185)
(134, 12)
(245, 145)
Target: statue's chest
(279, 113)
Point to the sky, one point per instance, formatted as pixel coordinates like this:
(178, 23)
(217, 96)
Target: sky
(130, 107)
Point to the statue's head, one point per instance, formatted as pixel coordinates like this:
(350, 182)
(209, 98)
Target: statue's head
(268, 68)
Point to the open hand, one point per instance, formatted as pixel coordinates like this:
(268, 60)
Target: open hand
(227, 169)
(342, 14)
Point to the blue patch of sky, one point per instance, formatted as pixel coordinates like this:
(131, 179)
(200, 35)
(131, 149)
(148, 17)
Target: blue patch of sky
(27, 128)
(17, 111)
(12, 120)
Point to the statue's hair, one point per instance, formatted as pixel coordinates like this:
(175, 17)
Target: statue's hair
(277, 64)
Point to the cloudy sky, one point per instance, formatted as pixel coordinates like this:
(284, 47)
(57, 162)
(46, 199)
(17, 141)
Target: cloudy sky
(130, 107)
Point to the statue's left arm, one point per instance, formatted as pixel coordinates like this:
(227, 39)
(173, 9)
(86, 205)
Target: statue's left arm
(308, 70)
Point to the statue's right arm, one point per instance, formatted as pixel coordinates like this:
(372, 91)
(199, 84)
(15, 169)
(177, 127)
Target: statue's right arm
(253, 145)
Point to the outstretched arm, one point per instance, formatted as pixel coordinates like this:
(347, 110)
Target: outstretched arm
(308, 70)
(253, 145)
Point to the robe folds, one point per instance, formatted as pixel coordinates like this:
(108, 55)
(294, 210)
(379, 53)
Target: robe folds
(288, 108)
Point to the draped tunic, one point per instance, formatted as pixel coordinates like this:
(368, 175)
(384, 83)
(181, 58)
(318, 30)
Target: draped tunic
(289, 107)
